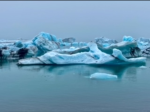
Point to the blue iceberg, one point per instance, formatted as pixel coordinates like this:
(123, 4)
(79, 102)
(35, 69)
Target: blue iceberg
(128, 39)
(91, 56)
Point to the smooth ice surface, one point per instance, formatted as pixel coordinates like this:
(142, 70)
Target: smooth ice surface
(103, 76)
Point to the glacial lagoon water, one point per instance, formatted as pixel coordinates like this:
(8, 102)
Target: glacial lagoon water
(67, 88)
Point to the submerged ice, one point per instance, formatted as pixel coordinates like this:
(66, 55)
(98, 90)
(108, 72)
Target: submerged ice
(103, 76)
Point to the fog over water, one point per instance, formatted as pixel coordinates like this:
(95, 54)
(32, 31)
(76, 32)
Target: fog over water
(83, 20)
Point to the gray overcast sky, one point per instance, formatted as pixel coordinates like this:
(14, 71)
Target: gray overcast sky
(83, 20)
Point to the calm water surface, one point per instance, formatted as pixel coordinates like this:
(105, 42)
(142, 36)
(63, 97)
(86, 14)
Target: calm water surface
(67, 88)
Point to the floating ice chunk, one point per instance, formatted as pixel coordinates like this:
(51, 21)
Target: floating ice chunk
(75, 44)
(105, 42)
(31, 61)
(45, 35)
(69, 40)
(103, 76)
(128, 39)
(142, 67)
(18, 44)
(129, 49)
(48, 37)
(6, 52)
(118, 54)
(44, 44)
(146, 52)
(32, 50)
(13, 48)
(54, 38)
(82, 44)
(65, 44)
(143, 43)
(72, 50)
(60, 40)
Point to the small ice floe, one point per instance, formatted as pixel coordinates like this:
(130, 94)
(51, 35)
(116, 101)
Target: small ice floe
(142, 67)
(103, 76)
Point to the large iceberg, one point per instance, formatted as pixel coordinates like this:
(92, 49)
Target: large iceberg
(93, 56)
(45, 44)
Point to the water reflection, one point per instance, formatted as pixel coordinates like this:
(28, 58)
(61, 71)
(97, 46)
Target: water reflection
(82, 70)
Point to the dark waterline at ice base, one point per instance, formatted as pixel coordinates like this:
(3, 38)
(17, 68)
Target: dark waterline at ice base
(69, 89)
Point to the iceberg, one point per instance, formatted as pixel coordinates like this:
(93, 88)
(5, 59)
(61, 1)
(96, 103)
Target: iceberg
(18, 44)
(129, 49)
(65, 45)
(128, 39)
(49, 46)
(105, 42)
(6, 52)
(93, 56)
(143, 43)
(32, 50)
(118, 54)
(38, 46)
(69, 40)
(75, 44)
(146, 52)
(103, 76)
(44, 42)
(82, 44)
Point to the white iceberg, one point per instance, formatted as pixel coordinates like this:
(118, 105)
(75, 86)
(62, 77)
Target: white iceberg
(103, 76)
(93, 56)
